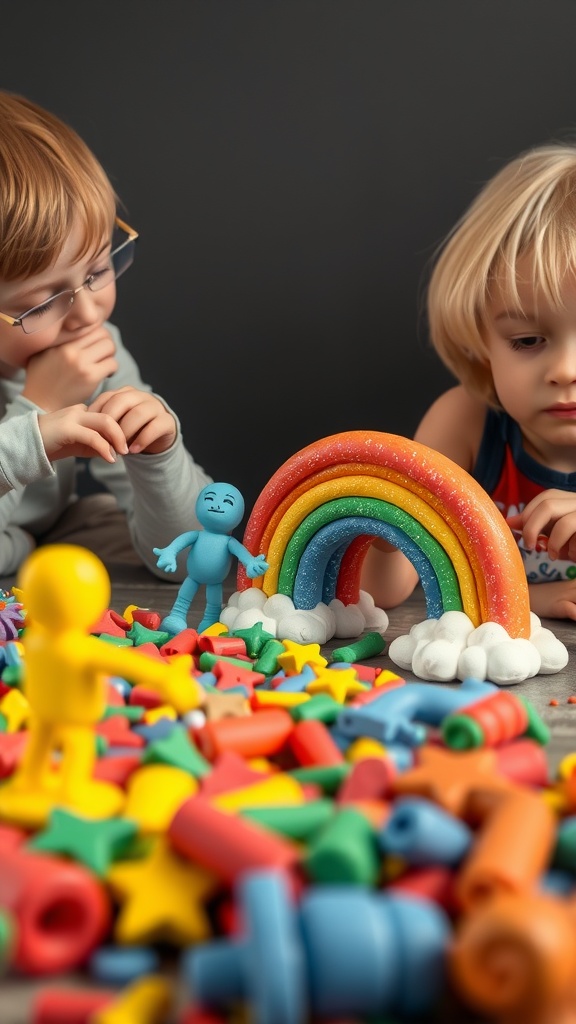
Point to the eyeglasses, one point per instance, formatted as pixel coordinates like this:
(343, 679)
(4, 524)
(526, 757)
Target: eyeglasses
(57, 306)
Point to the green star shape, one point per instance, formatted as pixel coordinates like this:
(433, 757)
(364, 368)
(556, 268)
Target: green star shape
(255, 638)
(177, 750)
(94, 843)
(140, 634)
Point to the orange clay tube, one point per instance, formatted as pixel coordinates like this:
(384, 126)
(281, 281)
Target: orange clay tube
(512, 850)
(515, 957)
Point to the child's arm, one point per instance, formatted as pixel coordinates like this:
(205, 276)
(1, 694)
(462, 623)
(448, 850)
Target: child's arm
(555, 600)
(453, 426)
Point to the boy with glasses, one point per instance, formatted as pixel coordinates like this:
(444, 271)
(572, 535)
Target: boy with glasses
(68, 386)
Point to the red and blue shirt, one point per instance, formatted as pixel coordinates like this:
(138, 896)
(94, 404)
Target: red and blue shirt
(512, 478)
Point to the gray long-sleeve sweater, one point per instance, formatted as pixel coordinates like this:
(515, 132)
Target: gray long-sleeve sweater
(157, 492)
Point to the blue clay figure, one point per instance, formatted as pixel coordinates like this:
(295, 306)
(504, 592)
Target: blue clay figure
(219, 508)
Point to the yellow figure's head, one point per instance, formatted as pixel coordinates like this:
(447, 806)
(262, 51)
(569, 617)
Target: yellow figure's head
(64, 587)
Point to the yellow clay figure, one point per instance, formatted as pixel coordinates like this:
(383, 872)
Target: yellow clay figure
(67, 589)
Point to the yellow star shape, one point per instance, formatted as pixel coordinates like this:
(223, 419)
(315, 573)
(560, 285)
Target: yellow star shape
(296, 656)
(340, 683)
(162, 898)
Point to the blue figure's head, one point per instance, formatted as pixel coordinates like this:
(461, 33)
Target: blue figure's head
(219, 507)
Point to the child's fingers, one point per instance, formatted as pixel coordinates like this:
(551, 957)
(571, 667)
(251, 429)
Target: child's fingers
(560, 541)
(106, 427)
(116, 403)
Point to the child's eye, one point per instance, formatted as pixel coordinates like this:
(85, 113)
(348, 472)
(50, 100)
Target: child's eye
(530, 341)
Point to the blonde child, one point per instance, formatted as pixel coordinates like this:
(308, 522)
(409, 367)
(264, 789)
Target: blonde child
(502, 316)
(68, 386)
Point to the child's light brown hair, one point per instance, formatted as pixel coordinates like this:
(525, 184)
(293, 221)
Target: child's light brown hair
(527, 208)
(48, 177)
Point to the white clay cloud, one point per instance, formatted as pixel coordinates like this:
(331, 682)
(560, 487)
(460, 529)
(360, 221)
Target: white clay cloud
(439, 650)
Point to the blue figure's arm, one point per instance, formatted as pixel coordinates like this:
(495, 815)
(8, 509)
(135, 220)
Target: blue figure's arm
(255, 565)
(167, 555)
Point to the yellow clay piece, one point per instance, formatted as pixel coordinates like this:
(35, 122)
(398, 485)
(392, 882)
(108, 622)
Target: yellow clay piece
(154, 793)
(146, 1001)
(296, 656)
(339, 683)
(365, 747)
(162, 898)
(15, 709)
(279, 698)
(128, 613)
(154, 715)
(216, 629)
(279, 789)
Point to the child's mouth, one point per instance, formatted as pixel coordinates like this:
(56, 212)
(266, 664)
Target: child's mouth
(563, 410)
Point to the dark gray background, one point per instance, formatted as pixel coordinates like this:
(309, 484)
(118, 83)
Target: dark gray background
(291, 165)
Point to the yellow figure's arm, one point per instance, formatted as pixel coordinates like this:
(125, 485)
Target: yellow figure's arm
(173, 681)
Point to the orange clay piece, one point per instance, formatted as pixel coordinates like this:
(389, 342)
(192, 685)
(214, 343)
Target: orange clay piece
(478, 525)
(515, 958)
(512, 848)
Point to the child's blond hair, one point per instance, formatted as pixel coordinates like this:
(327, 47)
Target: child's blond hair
(48, 178)
(527, 208)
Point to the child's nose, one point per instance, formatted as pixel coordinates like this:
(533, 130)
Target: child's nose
(563, 366)
(85, 308)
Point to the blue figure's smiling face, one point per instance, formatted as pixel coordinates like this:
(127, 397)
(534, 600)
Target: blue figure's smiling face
(219, 507)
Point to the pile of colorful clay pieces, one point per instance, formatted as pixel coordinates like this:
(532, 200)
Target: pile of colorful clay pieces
(312, 841)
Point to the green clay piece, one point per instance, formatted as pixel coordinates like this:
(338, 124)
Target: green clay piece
(296, 821)
(329, 777)
(321, 707)
(101, 744)
(133, 712)
(94, 843)
(267, 662)
(116, 641)
(368, 646)
(178, 750)
(12, 675)
(536, 728)
(8, 935)
(255, 639)
(3, 723)
(140, 634)
(345, 852)
(207, 660)
(462, 732)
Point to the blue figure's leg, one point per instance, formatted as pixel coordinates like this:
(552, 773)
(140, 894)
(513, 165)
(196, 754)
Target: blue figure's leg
(176, 621)
(213, 605)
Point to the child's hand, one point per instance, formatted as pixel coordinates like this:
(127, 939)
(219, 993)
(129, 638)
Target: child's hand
(146, 423)
(549, 520)
(76, 431)
(71, 372)
(555, 600)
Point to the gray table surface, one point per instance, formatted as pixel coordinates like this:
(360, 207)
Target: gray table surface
(134, 586)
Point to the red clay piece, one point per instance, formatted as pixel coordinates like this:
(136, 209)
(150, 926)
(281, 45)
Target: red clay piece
(257, 735)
